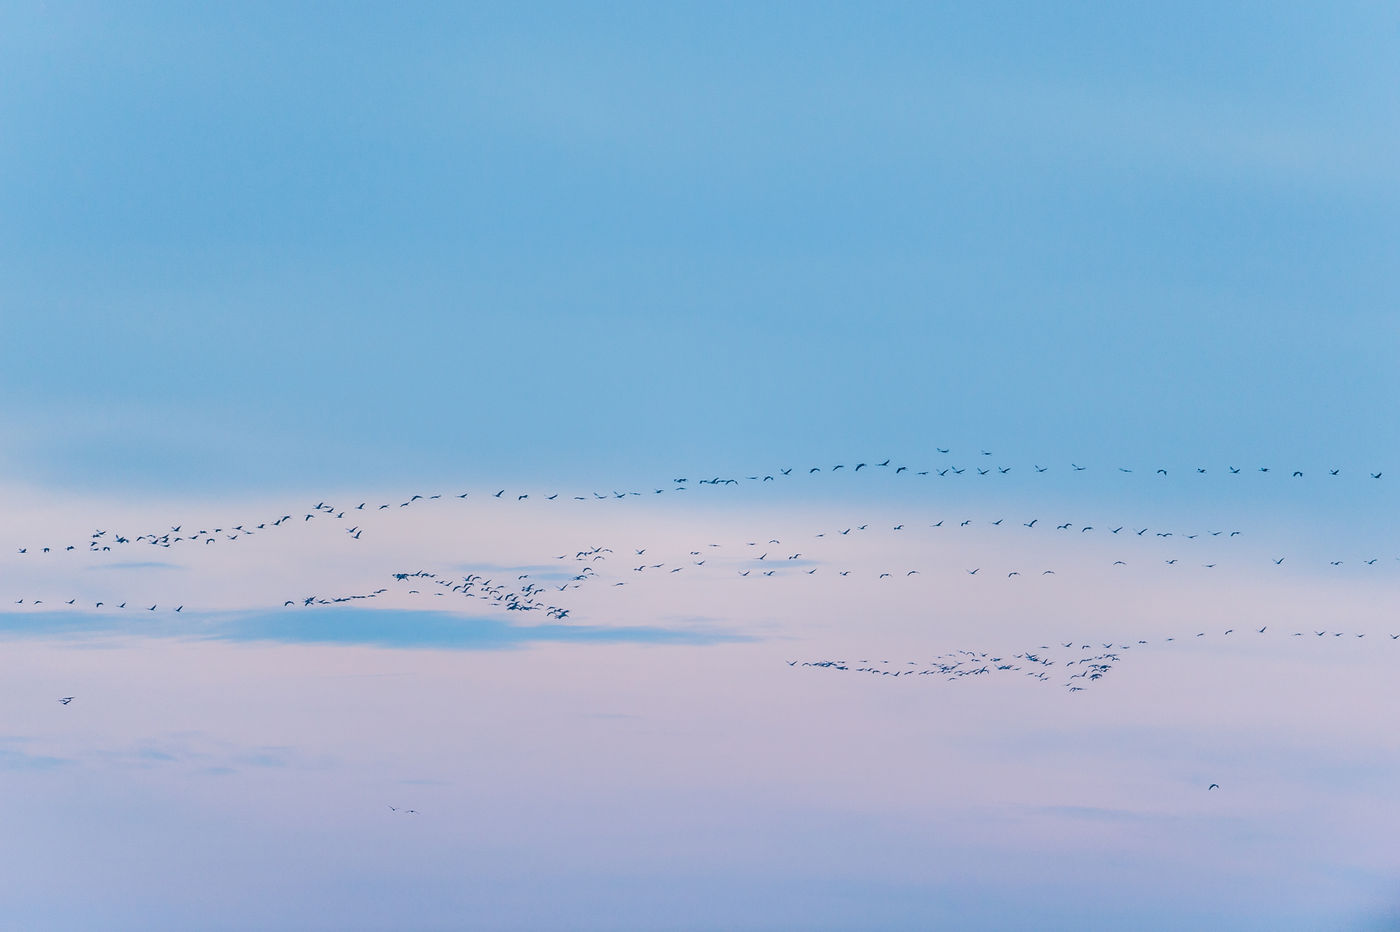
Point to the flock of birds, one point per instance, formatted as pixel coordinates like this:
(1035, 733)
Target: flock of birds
(1070, 665)
(753, 559)
(175, 535)
(1079, 669)
(957, 665)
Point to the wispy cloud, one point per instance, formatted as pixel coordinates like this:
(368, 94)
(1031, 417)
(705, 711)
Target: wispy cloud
(137, 565)
(442, 630)
(382, 628)
(11, 759)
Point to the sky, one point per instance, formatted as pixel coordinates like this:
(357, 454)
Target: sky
(263, 256)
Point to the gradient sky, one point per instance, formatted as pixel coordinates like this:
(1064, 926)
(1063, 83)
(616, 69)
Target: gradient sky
(262, 255)
(263, 245)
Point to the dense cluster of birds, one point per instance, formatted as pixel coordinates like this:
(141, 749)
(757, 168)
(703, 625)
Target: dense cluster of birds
(476, 586)
(960, 664)
(1073, 672)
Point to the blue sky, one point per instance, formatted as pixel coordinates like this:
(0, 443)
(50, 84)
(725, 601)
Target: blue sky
(260, 246)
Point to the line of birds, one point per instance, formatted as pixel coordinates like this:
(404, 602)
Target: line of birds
(103, 540)
(758, 573)
(73, 602)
